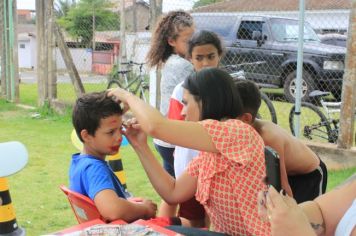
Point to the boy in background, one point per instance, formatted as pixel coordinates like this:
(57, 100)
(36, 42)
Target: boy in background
(303, 174)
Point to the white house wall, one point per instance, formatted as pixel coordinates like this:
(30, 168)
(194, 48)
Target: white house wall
(24, 52)
(137, 46)
(33, 45)
(82, 59)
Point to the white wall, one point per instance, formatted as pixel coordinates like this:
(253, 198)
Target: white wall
(82, 59)
(24, 53)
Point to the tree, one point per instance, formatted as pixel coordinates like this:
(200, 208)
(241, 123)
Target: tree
(201, 3)
(155, 12)
(88, 16)
(62, 7)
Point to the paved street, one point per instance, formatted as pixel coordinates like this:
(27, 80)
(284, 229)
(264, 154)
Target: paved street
(30, 77)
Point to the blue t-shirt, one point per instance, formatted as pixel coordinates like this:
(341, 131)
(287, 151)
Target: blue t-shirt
(89, 175)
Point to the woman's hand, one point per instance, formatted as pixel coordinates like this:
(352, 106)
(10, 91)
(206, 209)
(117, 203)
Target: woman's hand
(119, 95)
(135, 134)
(285, 216)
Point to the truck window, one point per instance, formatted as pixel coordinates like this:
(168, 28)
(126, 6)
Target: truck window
(287, 30)
(247, 27)
(221, 25)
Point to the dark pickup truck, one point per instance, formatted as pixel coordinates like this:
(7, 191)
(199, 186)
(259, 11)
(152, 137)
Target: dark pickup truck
(274, 41)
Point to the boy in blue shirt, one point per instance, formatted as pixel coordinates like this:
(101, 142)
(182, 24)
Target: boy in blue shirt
(97, 120)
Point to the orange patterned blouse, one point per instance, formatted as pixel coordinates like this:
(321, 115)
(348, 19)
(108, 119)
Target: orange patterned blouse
(229, 181)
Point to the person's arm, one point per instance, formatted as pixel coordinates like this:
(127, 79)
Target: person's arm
(183, 133)
(112, 207)
(271, 138)
(331, 212)
(171, 190)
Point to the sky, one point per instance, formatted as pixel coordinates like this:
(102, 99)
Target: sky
(167, 4)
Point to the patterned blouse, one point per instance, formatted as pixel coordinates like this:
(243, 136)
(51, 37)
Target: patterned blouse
(229, 181)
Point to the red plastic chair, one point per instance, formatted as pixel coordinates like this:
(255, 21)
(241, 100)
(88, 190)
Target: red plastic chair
(83, 207)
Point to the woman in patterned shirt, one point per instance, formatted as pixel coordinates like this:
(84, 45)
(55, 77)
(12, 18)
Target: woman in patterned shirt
(227, 174)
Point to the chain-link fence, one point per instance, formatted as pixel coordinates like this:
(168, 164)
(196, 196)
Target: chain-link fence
(262, 37)
(259, 36)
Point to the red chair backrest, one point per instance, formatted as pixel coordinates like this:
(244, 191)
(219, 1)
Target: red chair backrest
(83, 207)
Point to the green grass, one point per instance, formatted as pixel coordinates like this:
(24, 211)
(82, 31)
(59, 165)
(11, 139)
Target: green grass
(39, 204)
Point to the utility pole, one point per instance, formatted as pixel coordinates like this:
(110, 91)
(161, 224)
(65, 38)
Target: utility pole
(15, 57)
(2, 49)
(122, 53)
(345, 138)
(9, 57)
(41, 53)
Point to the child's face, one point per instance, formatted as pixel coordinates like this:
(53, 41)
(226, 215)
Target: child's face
(180, 44)
(107, 138)
(205, 56)
(192, 108)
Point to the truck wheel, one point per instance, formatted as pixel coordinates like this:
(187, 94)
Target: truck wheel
(290, 86)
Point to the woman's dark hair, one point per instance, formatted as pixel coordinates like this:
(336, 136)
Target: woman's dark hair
(167, 28)
(204, 37)
(90, 108)
(217, 92)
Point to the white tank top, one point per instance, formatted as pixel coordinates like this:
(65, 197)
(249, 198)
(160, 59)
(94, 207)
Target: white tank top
(347, 222)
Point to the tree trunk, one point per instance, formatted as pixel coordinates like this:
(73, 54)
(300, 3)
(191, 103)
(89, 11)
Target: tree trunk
(155, 13)
(345, 139)
(51, 45)
(134, 16)
(68, 60)
(93, 29)
(41, 52)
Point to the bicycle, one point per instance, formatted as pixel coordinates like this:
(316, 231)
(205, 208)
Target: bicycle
(314, 124)
(137, 85)
(266, 110)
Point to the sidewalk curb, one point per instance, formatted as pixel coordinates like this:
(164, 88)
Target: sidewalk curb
(334, 158)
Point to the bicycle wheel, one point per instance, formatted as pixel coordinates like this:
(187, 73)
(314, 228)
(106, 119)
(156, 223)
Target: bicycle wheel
(144, 92)
(266, 110)
(313, 123)
(114, 84)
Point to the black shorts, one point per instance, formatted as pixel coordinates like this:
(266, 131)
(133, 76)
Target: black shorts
(307, 187)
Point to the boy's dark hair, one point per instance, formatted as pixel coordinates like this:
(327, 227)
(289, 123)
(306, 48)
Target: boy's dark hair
(167, 28)
(204, 37)
(250, 95)
(90, 108)
(217, 92)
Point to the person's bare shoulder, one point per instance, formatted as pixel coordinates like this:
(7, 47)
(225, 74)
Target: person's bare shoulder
(299, 158)
(270, 132)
